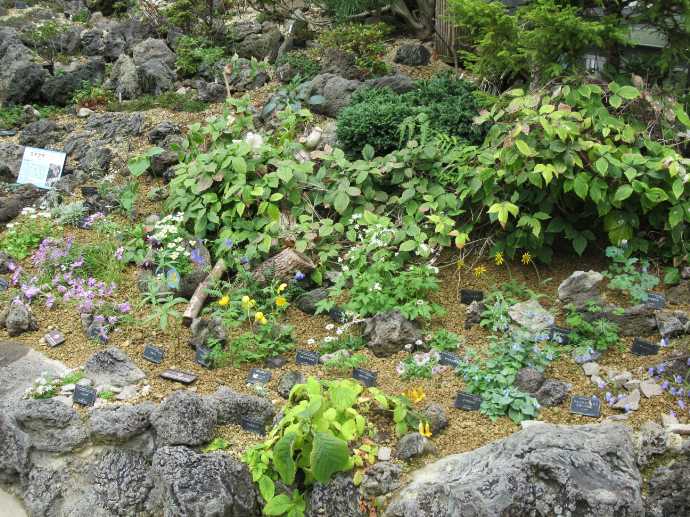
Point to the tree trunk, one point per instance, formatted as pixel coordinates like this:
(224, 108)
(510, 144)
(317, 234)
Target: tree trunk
(283, 266)
(198, 299)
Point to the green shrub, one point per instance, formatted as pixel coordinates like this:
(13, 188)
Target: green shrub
(365, 42)
(575, 162)
(535, 42)
(303, 65)
(200, 17)
(195, 55)
(92, 95)
(374, 116)
(10, 116)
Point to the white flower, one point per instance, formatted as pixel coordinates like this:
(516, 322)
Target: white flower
(339, 330)
(311, 341)
(174, 255)
(255, 140)
(420, 302)
(10, 225)
(330, 326)
(328, 339)
(419, 342)
(377, 286)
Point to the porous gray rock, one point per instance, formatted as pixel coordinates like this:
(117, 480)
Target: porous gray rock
(118, 126)
(244, 77)
(381, 479)
(473, 314)
(529, 380)
(60, 88)
(306, 302)
(412, 54)
(672, 323)
(51, 425)
(679, 294)
(388, 333)
(41, 133)
(581, 287)
(120, 423)
(232, 407)
(287, 381)
(638, 320)
(112, 367)
(214, 485)
(14, 453)
(153, 49)
(650, 441)
(413, 445)
(261, 46)
(204, 329)
(340, 62)
(210, 91)
(121, 482)
(338, 497)
(531, 316)
(552, 393)
(162, 131)
(184, 418)
(10, 161)
(87, 153)
(124, 78)
(20, 78)
(436, 416)
(668, 494)
(544, 470)
(399, 83)
(17, 318)
(334, 92)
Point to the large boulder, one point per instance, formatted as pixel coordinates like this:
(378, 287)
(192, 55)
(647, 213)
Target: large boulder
(388, 333)
(155, 64)
(59, 89)
(14, 453)
(542, 470)
(412, 54)
(213, 485)
(399, 83)
(20, 77)
(112, 367)
(50, 425)
(333, 91)
(17, 318)
(120, 423)
(338, 497)
(638, 320)
(668, 493)
(41, 133)
(531, 316)
(124, 78)
(244, 77)
(260, 46)
(11, 205)
(184, 418)
(121, 483)
(153, 50)
(679, 294)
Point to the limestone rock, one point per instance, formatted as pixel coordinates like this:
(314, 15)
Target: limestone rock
(580, 287)
(672, 323)
(583, 470)
(650, 442)
(336, 92)
(389, 332)
(679, 294)
(184, 418)
(668, 494)
(650, 389)
(590, 369)
(531, 315)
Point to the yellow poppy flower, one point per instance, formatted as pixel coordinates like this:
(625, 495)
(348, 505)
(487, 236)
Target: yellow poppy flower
(415, 394)
(526, 258)
(260, 318)
(225, 300)
(282, 288)
(424, 429)
(498, 258)
(281, 301)
(479, 271)
(247, 302)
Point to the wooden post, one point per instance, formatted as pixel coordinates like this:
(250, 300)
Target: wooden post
(444, 32)
(196, 302)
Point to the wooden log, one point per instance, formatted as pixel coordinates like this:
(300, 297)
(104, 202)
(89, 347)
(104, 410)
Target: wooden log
(196, 302)
(283, 266)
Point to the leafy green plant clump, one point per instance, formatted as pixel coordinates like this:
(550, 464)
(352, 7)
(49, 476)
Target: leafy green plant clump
(302, 64)
(629, 275)
(365, 42)
(572, 163)
(23, 236)
(195, 55)
(324, 430)
(374, 116)
(598, 334)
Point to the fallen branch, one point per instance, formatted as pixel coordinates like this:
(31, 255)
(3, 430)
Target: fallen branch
(197, 301)
(283, 266)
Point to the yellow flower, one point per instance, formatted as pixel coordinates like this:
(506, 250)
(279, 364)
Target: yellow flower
(424, 429)
(281, 301)
(526, 258)
(282, 288)
(498, 258)
(247, 302)
(260, 318)
(225, 300)
(460, 264)
(479, 271)
(415, 394)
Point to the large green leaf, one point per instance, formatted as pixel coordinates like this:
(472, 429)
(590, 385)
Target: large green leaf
(524, 148)
(342, 200)
(623, 192)
(581, 185)
(279, 505)
(328, 456)
(283, 460)
(628, 92)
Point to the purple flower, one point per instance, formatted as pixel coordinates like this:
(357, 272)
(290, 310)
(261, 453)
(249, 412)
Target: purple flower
(650, 372)
(197, 257)
(681, 404)
(678, 379)
(228, 243)
(299, 276)
(119, 253)
(112, 320)
(50, 301)
(664, 342)
(610, 399)
(601, 385)
(77, 263)
(124, 308)
(30, 291)
(661, 368)
(665, 385)
(627, 408)
(400, 368)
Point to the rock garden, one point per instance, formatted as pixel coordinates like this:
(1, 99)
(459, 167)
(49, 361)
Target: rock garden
(344, 258)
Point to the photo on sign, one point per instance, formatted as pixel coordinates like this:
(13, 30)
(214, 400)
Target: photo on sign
(41, 167)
